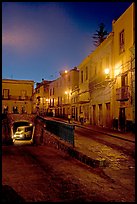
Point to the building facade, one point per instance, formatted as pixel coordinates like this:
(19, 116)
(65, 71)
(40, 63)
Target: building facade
(94, 84)
(107, 77)
(101, 87)
(41, 97)
(60, 93)
(124, 69)
(17, 96)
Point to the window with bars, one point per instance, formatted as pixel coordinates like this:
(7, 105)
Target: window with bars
(86, 73)
(50, 92)
(6, 93)
(81, 76)
(122, 41)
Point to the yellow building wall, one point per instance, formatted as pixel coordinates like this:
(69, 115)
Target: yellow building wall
(41, 106)
(63, 87)
(122, 61)
(96, 90)
(15, 87)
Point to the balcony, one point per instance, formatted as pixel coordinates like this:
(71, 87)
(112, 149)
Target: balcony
(51, 105)
(122, 94)
(20, 98)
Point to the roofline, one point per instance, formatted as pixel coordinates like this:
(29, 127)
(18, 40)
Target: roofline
(18, 80)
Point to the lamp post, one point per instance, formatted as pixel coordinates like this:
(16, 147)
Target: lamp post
(107, 73)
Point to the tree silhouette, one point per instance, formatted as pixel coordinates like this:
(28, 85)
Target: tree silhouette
(100, 35)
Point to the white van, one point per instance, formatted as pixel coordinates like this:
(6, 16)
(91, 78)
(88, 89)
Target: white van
(23, 132)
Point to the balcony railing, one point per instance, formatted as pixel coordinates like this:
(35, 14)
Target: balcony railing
(20, 98)
(122, 94)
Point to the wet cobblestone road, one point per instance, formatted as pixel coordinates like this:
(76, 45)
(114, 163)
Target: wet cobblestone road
(45, 174)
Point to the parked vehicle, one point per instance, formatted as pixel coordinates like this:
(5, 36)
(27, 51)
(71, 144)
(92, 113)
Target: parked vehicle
(23, 132)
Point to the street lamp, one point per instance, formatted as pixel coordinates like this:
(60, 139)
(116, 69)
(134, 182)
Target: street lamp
(107, 73)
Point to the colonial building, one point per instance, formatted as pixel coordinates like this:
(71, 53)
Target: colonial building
(101, 87)
(60, 92)
(17, 96)
(41, 97)
(124, 68)
(106, 77)
(94, 85)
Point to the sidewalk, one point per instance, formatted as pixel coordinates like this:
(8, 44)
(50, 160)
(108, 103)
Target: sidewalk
(96, 153)
(128, 136)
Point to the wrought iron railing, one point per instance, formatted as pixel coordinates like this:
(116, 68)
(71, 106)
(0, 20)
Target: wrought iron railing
(20, 98)
(62, 130)
(122, 93)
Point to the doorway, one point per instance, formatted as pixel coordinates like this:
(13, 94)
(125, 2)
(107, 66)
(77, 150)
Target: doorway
(122, 119)
(108, 115)
(94, 114)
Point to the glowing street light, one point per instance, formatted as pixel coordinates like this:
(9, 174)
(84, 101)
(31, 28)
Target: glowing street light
(106, 71)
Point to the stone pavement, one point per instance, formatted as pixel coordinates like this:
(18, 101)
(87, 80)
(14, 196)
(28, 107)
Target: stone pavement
(125, 136)
(94, 153)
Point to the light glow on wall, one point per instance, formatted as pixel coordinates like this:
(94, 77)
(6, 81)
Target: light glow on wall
(106, 71)
(117, 70)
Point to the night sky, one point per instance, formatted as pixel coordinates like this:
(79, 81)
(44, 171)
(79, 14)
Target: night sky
(39, 39)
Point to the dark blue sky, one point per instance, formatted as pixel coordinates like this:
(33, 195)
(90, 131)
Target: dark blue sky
(39, 39)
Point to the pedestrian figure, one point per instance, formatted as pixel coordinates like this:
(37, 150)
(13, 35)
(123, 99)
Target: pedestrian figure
(69, 117)
(81, 118)
(73, 117)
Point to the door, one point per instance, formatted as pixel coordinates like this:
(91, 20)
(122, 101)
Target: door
(122, 119)
(100, 119)
(108, 123)
(76, 117)
(94, 114)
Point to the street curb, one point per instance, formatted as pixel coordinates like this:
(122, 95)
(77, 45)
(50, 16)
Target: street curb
(77, 154)
(105, 133)
(86, 159)
(100, 131)
(73, 152)
(51, 139)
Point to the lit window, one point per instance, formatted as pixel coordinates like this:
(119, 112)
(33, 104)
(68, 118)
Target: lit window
(6, 93)
(23, 94)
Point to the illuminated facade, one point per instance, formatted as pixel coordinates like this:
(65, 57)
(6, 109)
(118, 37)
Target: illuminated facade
(95, 81)
(17, 96)
(60, 92)
(107, 77)
(101, 87)
(124, 69)
(41, 97)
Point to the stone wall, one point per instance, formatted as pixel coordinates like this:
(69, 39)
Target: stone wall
(15, 117)
(44, 137)
(7, 124)
(6, 132)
